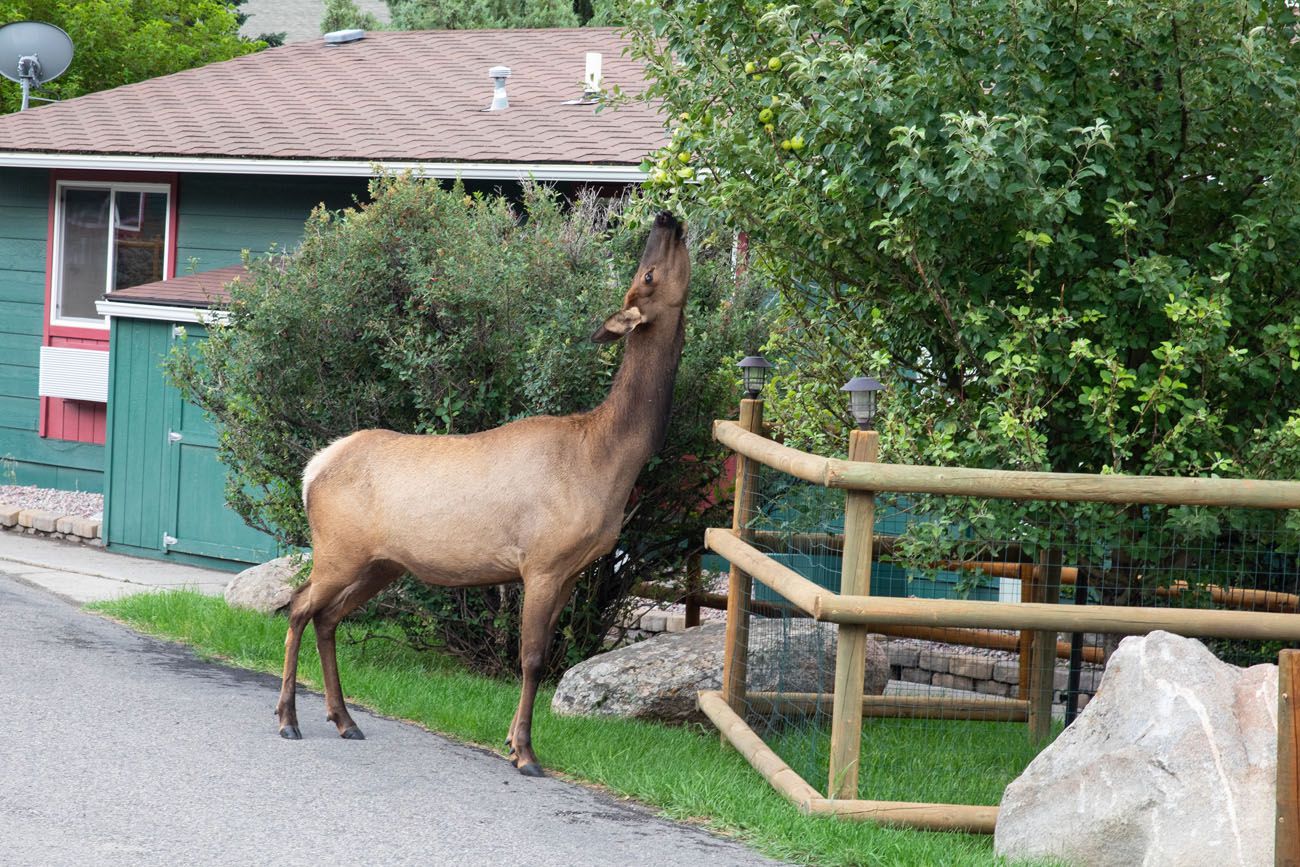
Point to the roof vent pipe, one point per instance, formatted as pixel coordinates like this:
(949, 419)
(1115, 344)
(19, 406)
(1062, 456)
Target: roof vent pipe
(499, 74)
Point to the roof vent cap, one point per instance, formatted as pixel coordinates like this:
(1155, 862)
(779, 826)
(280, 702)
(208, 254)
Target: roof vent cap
(499, 74)
(342, 37)
(591, 80)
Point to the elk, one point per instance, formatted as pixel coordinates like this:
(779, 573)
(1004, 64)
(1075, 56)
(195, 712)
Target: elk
(535, 500)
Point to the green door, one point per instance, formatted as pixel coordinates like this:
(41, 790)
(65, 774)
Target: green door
(195, 517)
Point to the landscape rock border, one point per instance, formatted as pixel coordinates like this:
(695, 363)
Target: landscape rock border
(38, 522)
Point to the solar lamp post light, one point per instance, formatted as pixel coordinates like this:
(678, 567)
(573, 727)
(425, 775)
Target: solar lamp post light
(754, 370)
(862, 400)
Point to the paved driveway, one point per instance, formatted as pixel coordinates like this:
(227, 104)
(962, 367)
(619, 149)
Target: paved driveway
(125, 750)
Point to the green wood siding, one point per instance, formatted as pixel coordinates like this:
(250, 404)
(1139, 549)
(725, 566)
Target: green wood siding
(218, 216)
(136, 392)
(222, 215)
(25, 458)
(156, 486)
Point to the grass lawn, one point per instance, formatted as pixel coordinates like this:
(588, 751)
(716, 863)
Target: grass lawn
(681, 771)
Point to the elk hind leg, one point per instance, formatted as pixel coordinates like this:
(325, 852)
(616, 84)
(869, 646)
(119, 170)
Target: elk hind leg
(286, 709)
(374, 578)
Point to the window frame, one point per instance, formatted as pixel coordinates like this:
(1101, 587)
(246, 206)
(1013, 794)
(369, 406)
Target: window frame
(97, 328)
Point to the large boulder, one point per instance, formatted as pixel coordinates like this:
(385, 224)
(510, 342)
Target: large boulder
(659, 678)
(266, 588)
(1173, 762)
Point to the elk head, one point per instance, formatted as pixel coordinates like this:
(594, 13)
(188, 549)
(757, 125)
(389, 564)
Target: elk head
(659, 287)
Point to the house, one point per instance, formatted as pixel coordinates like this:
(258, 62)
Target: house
(179, 175)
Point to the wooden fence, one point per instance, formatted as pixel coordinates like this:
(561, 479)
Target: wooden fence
(854, 611)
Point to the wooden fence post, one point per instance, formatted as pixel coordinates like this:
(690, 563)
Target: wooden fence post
(851, 646)
(1287, 839)
(1043, 654)
(735, 660)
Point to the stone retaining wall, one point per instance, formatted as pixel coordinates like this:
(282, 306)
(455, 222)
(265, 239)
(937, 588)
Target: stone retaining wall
(37, 522)
(985, 671)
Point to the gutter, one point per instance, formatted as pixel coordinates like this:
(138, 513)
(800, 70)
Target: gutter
(490, 171)
(161, 312)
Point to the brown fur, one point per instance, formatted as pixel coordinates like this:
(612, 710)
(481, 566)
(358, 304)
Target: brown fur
(535, 500)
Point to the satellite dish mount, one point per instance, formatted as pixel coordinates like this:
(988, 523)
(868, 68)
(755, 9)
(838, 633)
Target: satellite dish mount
(33, 53)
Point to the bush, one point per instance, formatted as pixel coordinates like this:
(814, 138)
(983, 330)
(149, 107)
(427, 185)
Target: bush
(430, 311)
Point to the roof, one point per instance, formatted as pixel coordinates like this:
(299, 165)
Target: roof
(412, 96)
(207, 289)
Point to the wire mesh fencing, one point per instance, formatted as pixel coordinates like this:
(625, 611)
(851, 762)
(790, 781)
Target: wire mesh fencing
(947, 711)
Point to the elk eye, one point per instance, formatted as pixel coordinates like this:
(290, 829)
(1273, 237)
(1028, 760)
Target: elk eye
(649, 276)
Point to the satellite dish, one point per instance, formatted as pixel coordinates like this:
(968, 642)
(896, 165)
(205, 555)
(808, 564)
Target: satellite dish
(32, 53)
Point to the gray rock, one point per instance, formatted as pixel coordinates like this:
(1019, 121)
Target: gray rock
(660, 678)
(1174, 761)
(265, 588)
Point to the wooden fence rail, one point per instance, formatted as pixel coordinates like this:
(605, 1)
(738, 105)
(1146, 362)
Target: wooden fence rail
(856, 612)
(1008, 484)
(826, 605)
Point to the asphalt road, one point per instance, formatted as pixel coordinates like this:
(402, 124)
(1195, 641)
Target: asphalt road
(117, 748)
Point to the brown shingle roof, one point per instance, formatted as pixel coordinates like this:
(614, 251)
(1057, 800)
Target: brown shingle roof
(207, 289)
(392, 96)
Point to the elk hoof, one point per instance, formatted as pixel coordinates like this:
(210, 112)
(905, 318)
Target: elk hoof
(532, 769)
(290, 733)
(353, 733)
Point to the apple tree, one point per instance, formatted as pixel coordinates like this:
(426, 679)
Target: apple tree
(1066, 234)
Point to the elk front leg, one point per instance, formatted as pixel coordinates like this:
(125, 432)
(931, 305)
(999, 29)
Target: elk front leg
(543, 602)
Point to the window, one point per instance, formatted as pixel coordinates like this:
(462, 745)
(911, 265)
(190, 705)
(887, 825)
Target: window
(106, 237)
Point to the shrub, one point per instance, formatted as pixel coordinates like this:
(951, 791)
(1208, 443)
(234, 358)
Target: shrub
(430, 311)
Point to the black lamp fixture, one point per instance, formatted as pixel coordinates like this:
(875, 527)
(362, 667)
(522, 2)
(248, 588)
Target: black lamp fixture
(862, 400)
(754, 369)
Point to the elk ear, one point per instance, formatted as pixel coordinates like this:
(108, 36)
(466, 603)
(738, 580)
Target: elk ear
(618, 325)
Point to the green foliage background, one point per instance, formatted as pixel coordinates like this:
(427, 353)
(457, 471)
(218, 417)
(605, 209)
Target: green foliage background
(474, 14)
(430, 311)
(478, 14)
(124, 41)
(1064, 233)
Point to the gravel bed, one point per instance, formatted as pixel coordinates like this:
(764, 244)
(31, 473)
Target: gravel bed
(79, 503)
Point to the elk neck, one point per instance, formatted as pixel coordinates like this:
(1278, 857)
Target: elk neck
(633, 420)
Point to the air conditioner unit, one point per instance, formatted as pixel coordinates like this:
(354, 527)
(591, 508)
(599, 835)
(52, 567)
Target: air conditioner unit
(74, 374)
